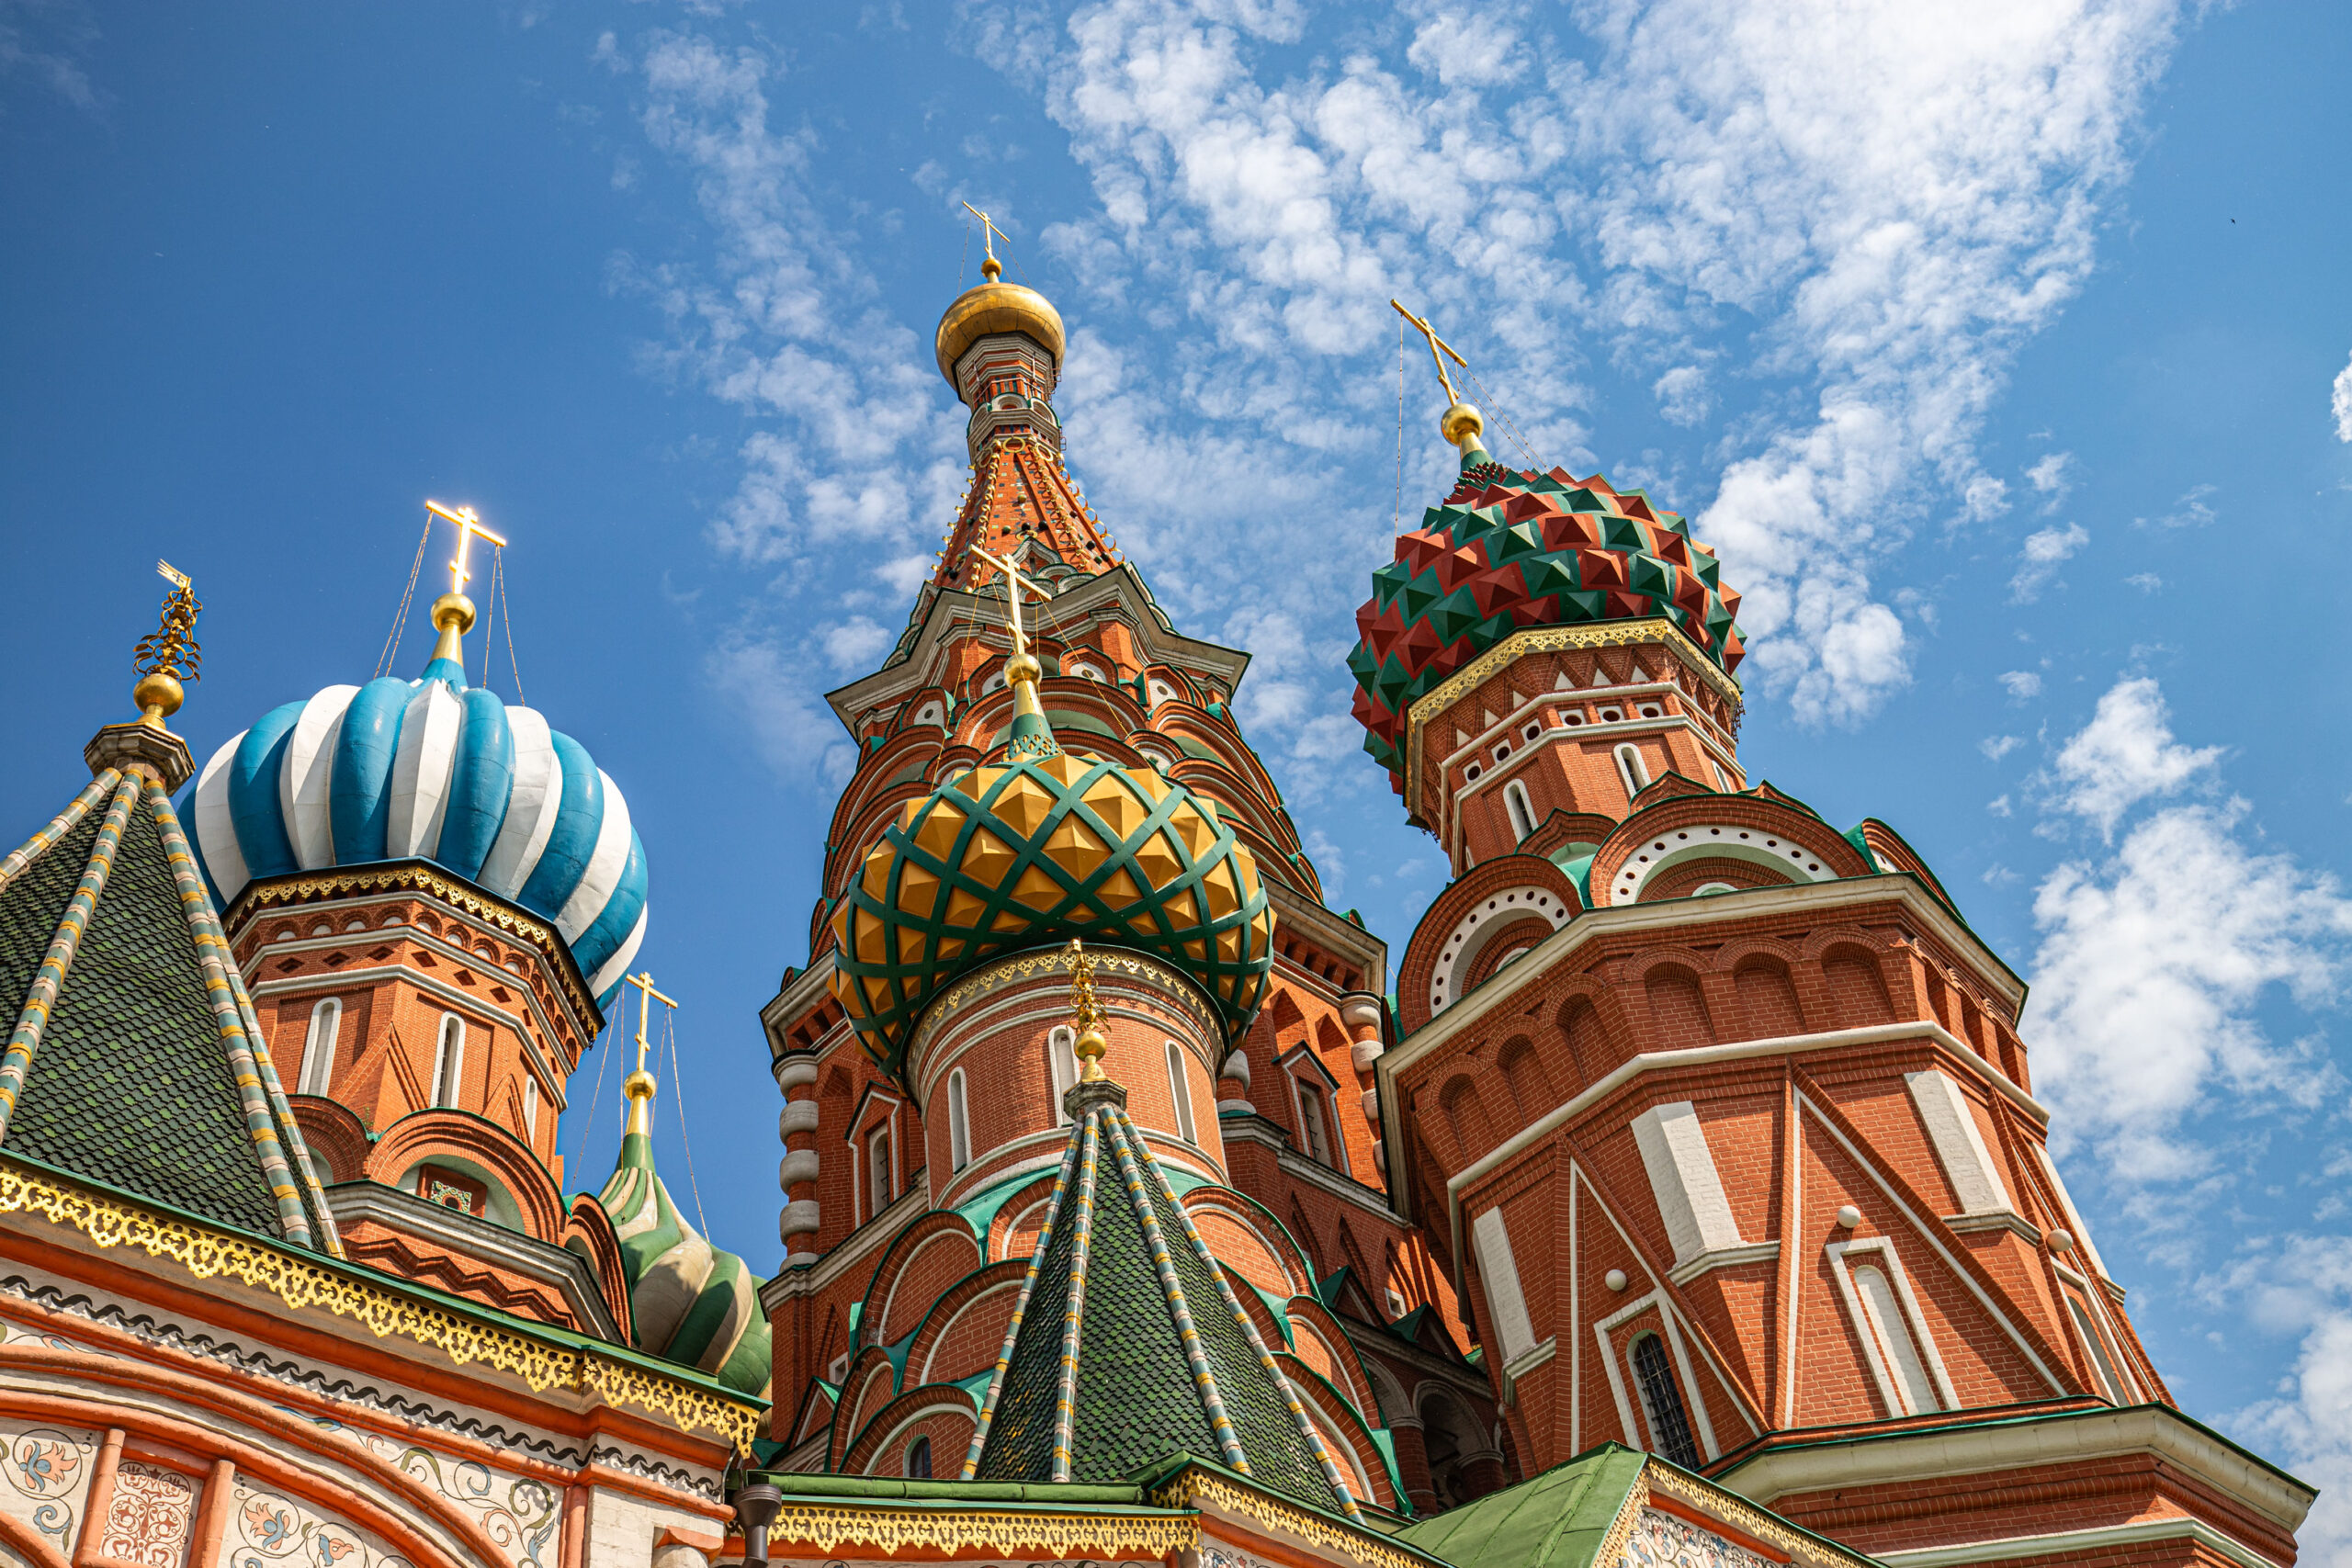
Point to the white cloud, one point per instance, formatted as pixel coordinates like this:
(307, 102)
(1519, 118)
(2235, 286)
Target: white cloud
(2340, 403)
(2149, 979)
(2023, 685)
(2302, 1285)
(1894, 242)
(2043, 553)
(2053, 479)
(2145, 581)
(2124, 755)
(855, 646)
(2192, 510)
(791, 727)
(1996, 747)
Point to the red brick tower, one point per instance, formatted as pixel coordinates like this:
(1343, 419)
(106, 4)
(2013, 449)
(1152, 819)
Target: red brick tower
(1092, 781)
(1721, 1114)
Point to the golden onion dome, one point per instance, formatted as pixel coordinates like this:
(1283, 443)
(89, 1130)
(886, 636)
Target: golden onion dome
(996, 307)
(1031, 853)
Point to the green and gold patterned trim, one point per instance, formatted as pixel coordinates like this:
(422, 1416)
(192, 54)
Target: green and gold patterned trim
(1110, 1534)
(207, 1253)
(1192, 1486)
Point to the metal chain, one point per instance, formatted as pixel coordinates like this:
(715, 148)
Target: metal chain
(587, 1121)
(506, 619)
(678, 1093)
(408, 596)
(1509, 429)
(1396, 522)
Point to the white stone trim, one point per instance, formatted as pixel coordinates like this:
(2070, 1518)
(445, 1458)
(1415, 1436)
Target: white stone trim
(1683, 1179)
(1462, 944)
(1724, 840)
(1951, 1126)
(2105, 1537)
(2057, 1442)
(1915, 1323)
(1708, 1262)
(1506, 1300)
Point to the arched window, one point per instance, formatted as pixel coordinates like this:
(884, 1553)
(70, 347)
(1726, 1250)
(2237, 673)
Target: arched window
(919, 1460)
(959, 1126)
(1633, 770)
(449, 1060)
(1313, 1130)
(1662, 1402)
(530, 1106)
(318, 1046)
(1723, 781)
(1061, 1063)
(881, 1180)
(1181, 1093)
(1884, 1316)
(1522, 816)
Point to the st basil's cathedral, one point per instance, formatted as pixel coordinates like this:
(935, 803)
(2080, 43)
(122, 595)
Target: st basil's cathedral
(1681, 1197)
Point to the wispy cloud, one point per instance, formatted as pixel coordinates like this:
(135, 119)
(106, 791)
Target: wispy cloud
(2340, 403)
(2124, 755)
(48, 40)
(2044, 551)
(1611, 201)
(2052, 479)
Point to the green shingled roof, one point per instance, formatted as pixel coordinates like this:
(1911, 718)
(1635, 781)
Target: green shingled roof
(1137, 1395)
(1557, 1519)
(128, 1083)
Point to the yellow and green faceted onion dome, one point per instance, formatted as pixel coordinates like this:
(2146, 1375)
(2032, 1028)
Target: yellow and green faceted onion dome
(1050, 845)
(1512, 550)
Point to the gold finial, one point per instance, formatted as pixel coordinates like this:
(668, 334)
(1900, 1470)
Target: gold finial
(169, 652)
(991, 268)
(639, 1085)
(453, 613)
(1021, 670)
(1461, 423)
(1086, 1013)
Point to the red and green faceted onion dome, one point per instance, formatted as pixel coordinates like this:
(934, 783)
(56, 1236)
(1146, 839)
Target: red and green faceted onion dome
(1031, 853)
(1512, 550)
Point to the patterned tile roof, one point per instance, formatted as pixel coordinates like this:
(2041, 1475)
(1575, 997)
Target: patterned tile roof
(1514, 549)
(133, 1058)
(1129, 1346)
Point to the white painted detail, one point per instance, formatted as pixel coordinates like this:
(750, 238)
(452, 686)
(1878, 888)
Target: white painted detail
(605, 866)
(307, 774)
(1682, 1176)
(799, 1218)
(421, 770)
(799, 1116)
(1903, 1361)
(216, 830)
(605, 978)
(1959, 1144)
(1500, 1271)
(1716, 841)
(801, 1164)
(1468, 938)
(794, 1073)
(2073, 1215)
(532, 806)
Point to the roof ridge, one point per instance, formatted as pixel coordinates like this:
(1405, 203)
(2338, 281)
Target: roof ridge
(1074, 1315)
(1020, 1308)
(20, 858)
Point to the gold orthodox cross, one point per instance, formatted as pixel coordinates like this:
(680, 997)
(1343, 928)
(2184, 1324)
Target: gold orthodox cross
(644, 983)
(1436, 344)
(1015, 584)
(990, 233)
(468, 524)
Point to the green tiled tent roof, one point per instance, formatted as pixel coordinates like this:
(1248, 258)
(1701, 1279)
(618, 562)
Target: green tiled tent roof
(1165, 1361)
(1557, 1519)
(131, 1058)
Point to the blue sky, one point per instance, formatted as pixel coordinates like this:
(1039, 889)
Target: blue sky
(2002, 349)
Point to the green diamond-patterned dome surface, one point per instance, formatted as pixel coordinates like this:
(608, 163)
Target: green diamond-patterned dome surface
(1034, 851)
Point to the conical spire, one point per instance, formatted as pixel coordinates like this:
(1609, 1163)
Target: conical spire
(1150, 1353)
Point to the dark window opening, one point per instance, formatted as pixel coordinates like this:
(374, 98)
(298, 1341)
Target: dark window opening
(1662, 1402)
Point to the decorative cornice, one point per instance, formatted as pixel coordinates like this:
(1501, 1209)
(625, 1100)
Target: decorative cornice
(1194, 1486)
(158, 1334)
(420, 877)
(207, 1253)
(1108, 961)
(538, 1261)
(1802, 1546)
(1108, 1533)
(1549, 640)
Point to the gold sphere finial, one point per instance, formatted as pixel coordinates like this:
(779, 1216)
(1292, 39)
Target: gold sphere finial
(453, 609)
(1461, 424)
(1023, 669)
(992, 270)
(159, 696)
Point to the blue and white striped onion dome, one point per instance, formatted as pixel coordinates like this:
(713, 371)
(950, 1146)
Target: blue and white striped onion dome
(432, 769)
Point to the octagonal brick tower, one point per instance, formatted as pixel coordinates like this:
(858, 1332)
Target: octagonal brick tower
(1098, 785)
(1725, 1115)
